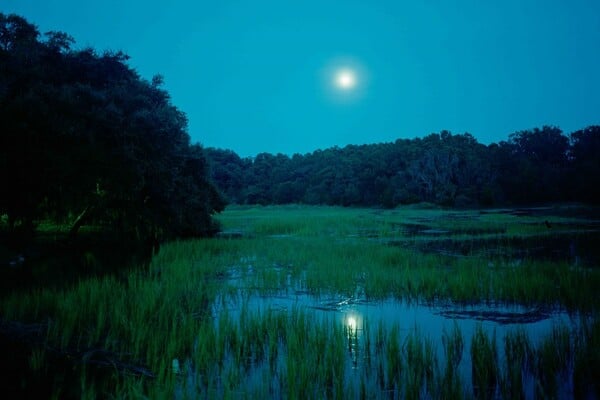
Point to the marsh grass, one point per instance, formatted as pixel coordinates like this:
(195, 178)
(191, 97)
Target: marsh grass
(191, 303)
(554, 357)
(325, 244)
(421, 363)
(484, 364)
(449, 383)
(519, 358)
(587, 360)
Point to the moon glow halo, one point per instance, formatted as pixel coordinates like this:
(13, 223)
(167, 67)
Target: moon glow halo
(345, 79)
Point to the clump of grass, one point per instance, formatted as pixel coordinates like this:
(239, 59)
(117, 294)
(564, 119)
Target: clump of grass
(315, 358)
(484, 359)
(554, 357)
(587, 359)
(450, 384)
(420, 366)
(519, 357)
(394, 367)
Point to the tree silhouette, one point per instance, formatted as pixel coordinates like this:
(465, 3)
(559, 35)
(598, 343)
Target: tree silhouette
(87, 140)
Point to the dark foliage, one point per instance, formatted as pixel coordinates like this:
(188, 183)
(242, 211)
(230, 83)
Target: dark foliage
(533, 166)
(84, 139)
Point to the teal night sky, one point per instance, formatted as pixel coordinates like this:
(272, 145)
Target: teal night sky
(256, 76)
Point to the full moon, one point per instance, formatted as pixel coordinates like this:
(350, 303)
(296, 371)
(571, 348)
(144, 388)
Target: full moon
(345, 79)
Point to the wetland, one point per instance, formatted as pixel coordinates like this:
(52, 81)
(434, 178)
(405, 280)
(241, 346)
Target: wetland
(331, 302)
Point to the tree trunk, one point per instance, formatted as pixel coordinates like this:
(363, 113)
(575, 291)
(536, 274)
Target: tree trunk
(79, 221)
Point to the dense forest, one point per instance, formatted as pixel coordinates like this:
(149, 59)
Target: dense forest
(85, 140)
(531, 167)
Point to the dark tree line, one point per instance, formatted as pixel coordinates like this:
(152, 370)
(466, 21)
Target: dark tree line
(85, 140)
(532, 166)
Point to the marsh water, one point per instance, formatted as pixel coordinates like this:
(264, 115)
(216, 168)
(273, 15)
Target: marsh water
(427, 325)
(339, 303)
(429, 321)
(360, 319)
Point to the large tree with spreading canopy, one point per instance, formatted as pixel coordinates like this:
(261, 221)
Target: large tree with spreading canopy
(84, 139)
